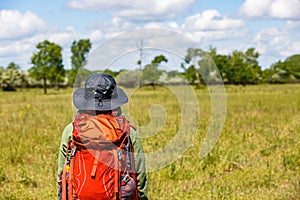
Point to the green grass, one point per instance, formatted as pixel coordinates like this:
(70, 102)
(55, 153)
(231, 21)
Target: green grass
(257, 155)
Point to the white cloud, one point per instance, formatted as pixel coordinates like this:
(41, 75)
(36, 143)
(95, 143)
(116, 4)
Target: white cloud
(209, 36)
(211, 25)
(215, 27)
(292, 24)
(155, 25)
(173, 25)
(282, 9)
(105, 29)
(142, 10)
(272, 40)
(17, 25)
(294, 48)
(98, 4)
(207, 26)
(96, 35)
(256, 8)
(276, 44)
(285, 9)
(168, 25)
(211, 20)
(21, 50)
(20, 32)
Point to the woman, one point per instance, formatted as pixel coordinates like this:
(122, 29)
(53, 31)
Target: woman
(101, 97)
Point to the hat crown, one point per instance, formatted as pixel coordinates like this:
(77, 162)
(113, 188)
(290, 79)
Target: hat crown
(100, 86)
(100, 93)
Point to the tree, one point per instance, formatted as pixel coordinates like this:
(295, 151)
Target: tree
(189, 73)
(129, 78)
(242, 67)
(268, 76)
(173, 73)
(47, 64)
(151, 73)
(236, 68)
(293, 66)
(287, 71)
(79, 50)
(12, 65)
(2, 71)
(192, 72)
(222, 62)
(11, 77)
(202, 68)
(208, 69)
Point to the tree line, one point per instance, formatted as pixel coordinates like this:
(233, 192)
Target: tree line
(198, 67)
(47, 67)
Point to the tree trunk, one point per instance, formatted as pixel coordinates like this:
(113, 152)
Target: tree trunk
(198, 79)
(153, 85)
(45, 85)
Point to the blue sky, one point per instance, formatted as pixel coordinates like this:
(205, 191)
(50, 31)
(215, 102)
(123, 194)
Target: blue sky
(270, 26)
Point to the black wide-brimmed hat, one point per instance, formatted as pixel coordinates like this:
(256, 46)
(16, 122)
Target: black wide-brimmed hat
(100, 93)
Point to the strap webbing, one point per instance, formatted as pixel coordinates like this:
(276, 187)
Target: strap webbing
(95, 164)
(117, 175)
(64, 185)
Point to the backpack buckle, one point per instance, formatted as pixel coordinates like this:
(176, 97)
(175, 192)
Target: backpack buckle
(120, 155)
(126, 178)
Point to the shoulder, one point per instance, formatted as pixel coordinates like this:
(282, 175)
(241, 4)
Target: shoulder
(69, 127)
(67, 133)
(133, 129)
(134, 136)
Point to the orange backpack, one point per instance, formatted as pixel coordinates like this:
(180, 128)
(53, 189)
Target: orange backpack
(100, 162)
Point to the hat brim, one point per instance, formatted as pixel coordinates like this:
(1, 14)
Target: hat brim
(81, 103)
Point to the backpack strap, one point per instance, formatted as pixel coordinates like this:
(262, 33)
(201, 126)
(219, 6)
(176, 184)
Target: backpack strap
(64, 185)
(65, 173)
(95, 164)
(67, 176)
(70, 180)
(117, 176)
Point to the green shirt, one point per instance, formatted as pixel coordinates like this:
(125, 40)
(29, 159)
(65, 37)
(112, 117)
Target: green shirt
(139, 159)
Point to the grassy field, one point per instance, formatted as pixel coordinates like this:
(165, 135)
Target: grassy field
(256, 157)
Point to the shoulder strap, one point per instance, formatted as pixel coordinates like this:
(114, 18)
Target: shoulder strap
(66, 172)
